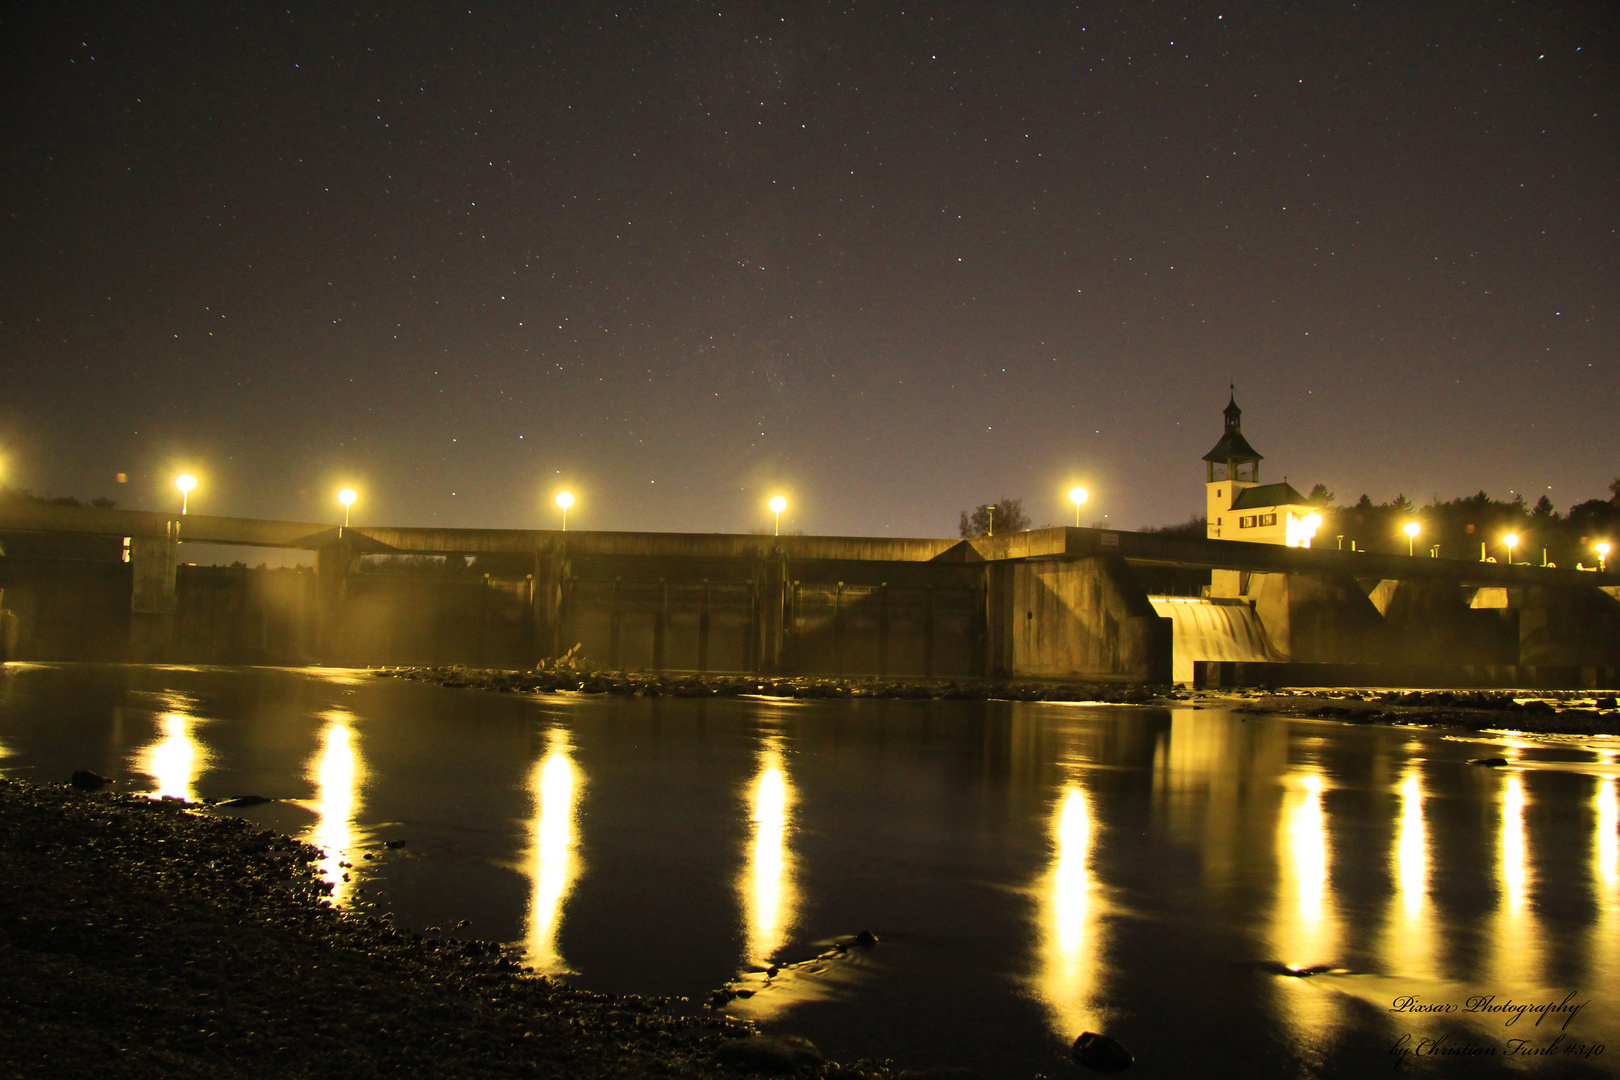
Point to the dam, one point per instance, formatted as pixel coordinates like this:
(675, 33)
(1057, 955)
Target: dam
(1089, 605)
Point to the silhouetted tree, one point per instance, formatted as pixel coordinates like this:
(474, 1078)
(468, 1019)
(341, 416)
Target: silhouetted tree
(1320, 496)
(1009, 517)
(1197, 525)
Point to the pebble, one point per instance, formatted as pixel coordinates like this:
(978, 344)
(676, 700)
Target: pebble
(770, 1053)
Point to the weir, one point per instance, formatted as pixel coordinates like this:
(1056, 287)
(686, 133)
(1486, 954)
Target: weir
(1221, 630)
(1064, 603)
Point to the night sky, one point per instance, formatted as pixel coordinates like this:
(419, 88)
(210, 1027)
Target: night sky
(889, 261)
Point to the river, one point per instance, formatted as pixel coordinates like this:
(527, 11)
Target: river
(1031, 870)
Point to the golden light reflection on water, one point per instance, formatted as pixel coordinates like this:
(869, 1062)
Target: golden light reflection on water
(1305, 930)
(338, 775)
(1603, 952)
(767, 890)
(1607, 847)
(1069, 965)
(555, 786)
(1516, 933)
(1409, 932)
(175, 758)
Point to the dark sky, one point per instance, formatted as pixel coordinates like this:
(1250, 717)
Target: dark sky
(892, 261)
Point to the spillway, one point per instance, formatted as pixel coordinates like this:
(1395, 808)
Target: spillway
(1212, 629)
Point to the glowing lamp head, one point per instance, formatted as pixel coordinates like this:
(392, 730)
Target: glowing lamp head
(346, 496)
(1602, 548)
(1077, 495)
(1312, 522)
(185, 482)
(1511, 540)
(1411, 528)
(565, 500)
(778, 504)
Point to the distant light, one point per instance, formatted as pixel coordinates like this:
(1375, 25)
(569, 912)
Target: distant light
(1312, 522)
(565, 500)
(1511, 540)
(185, 481)
(778, 504)
(1412, 528)
(346, 496)
(1602, 549)
(1077, 495)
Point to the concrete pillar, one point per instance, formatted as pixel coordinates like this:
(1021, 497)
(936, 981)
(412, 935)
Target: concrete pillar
(550, 577)
(772, 613)
(8, 630)
(152, 599)
(333, 563)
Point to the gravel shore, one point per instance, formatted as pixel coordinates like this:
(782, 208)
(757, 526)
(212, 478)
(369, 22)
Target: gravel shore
(154, 938)
(1563, 712)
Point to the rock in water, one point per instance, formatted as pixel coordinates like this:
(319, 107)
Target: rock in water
(1489, 762)
(770, 1053)
(866, 939)
(1100, 1052)
(85, 780)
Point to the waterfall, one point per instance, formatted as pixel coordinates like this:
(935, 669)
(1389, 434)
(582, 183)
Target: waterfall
(1217, 629)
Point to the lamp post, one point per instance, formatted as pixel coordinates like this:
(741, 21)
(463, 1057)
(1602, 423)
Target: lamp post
(346, 497)
(1602, 549)
(990, 530)
(1510, 541)
(777, 505)
(185, 482)
(1411, 531)
(565, 500)
(1079, 496)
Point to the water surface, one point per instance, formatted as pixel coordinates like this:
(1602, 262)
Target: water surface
(1033, 870)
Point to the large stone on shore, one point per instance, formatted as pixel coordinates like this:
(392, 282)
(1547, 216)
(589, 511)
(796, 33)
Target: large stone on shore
(770, 1053)
(85, 780)
(1101, 1052)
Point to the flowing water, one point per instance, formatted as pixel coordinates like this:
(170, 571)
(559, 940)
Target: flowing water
(1032, 870)
(1205, 629)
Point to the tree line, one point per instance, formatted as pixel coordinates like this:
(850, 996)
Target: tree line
(1472, 527)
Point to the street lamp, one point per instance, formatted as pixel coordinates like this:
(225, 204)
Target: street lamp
(990, 530)
(185, 482)
(1510, 541)
(777, 505)
(1411, 531)
(346, 497)
(565, 500)
(1079, 496)
(1602, 548)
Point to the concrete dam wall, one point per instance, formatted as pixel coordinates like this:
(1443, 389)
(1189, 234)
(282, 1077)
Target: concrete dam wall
(1078, 604)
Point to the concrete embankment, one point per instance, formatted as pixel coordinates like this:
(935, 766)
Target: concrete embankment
(155, 938)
